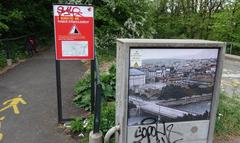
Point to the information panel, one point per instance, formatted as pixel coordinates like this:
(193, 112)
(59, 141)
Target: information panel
(74, 32)
(170, 94)
(167, 90)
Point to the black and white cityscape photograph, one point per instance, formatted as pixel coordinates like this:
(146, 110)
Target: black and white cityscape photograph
(170, 85)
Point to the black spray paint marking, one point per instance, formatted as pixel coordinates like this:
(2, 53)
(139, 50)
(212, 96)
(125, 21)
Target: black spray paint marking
(155, 134)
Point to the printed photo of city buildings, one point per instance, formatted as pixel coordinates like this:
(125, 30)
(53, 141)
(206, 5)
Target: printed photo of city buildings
(170, 85)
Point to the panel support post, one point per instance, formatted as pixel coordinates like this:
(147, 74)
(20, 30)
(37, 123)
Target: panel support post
(59, 96)
(96, 126)
(92, 85)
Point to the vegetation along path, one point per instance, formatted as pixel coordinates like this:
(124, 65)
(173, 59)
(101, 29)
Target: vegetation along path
(28, 100)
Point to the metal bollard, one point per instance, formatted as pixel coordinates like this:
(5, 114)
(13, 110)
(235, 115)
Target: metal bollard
(110, 132)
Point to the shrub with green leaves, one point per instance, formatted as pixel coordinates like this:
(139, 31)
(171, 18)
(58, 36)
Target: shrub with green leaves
(107, 120)
(21, 55)
(108, 81)
(107, 117)
(83, 88)
(3, 60)
(83, 92)
(227, 124)
(77, 125)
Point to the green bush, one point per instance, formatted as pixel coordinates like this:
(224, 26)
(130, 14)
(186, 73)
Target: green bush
(108, 81)
(77, 125)
(228, 119)
(83, 92)
(107, 117)
(20, 55)
(107, 120)
(83, 88)
(3, 60)
(17, 50)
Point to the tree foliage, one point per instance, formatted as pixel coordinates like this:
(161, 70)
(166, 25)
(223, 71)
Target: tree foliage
(194, 19)
(198, 19)
(19, 17)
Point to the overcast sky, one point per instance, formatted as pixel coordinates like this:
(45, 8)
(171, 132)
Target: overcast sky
(176, 53)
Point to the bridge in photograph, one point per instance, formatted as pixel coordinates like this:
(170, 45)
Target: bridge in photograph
(153, 108)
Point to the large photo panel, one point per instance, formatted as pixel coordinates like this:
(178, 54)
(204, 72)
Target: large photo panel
(168, 88)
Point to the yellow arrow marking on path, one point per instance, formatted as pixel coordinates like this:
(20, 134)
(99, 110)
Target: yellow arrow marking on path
(13, 103)
(1, 134)
(2, 118)
(226, 83)
(234, 83)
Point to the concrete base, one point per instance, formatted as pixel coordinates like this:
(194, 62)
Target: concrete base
(9, 62)
(95, 137)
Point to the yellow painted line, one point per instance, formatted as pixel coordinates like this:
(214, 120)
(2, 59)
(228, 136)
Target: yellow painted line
(226, 83)
(13, 103)
(233, 83)
(1, 136)
(2, 118)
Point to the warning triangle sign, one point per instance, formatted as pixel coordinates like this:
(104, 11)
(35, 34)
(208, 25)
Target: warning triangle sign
(74, 30)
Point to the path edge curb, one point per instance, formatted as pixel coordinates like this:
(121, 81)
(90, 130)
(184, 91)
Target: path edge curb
(232, 57)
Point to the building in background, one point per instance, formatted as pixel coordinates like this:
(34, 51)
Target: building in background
(136, 78)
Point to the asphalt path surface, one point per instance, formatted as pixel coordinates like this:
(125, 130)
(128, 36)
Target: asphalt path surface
(35, 80)
(231, 77)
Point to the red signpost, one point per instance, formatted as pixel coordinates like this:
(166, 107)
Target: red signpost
(74, 26)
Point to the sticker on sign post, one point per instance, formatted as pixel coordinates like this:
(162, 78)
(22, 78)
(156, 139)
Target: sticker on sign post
(74, 32)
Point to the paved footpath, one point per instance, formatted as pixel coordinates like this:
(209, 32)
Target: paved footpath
(32, 117)
(231, 76)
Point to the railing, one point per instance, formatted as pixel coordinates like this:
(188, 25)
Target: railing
(11, 45)
(233, 48)
(15, 38)
(12, 49)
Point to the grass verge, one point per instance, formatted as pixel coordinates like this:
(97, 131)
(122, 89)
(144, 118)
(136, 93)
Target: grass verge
(228, 121)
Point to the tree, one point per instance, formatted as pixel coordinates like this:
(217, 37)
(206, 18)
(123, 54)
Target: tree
(19, 17)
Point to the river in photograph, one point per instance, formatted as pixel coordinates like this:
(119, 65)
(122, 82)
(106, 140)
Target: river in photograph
(196, 108)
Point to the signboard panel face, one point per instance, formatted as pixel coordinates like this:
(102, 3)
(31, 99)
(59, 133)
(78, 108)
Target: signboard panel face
(170, 94)
(74, 32)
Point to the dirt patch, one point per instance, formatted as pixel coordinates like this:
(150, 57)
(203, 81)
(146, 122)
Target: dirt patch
(104, 67)
(227, 139)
